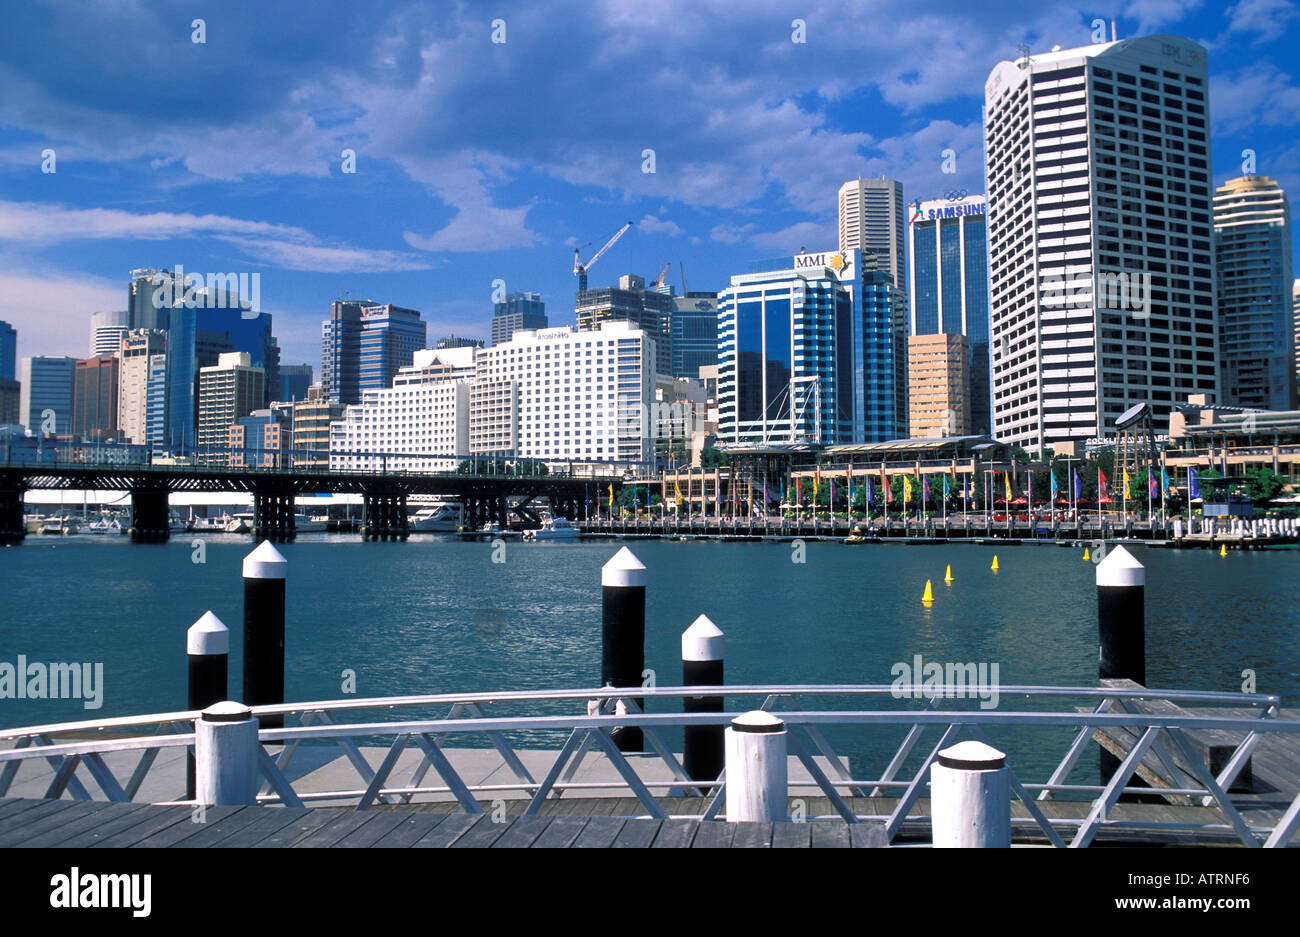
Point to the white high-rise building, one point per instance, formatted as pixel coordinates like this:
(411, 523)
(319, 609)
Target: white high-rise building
(137, 347)
(107, 329)
(560, 393)
(1099, 222)
(872, 218)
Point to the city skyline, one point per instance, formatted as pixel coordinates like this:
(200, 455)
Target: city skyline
(747, 161)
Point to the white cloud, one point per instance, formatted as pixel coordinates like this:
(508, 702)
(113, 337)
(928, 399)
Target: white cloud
(320, 258)
(650, 224)
(51, 308)
(1261, 95)
(813, 235)
(1153, 15)
(1268, 18)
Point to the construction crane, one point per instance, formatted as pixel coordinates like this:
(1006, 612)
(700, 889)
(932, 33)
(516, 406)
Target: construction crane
(685, 289)
(580, 269)
(659, 283)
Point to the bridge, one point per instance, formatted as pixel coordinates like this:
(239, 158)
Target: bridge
(487, 487)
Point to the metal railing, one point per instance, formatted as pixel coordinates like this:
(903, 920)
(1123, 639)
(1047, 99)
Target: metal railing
(1164, 740)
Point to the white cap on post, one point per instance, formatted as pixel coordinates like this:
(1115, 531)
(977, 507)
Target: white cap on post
(207, 636)
(622, 570)
(703, 640)
(1119, 568)
(265, 562)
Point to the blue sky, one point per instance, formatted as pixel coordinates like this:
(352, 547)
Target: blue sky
(478, 161)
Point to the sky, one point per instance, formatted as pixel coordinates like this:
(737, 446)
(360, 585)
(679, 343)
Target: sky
(482, 164)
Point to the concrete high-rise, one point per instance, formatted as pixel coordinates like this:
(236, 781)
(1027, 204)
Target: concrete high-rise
(649, 310)
(45, 401)
(138, 347)
(340, 351)
(694, 333)
(232, 389)
(938, 390)
(949, 290)
(872, 218)
(107, 329)
(1295, 318)
(145, 303)
(390, 337)
(1252, 257)
(94, 397)
(518, 311)
(1101, 261)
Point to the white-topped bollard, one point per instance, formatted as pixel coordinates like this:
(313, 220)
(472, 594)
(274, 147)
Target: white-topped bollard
(622, 634)
(207, 647)
(703, 647)
(264, 580)
(970, 798)
(1121, 617)
(757, 781)
(225, 748)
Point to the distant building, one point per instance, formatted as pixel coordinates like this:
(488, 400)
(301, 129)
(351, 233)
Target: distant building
(155, 419)
(340, 355)
(1295, 315)
(227, 391)
(1252, 256)
(415, 425)
(138, 347)
(10, 402)
(107, 329)
(694, 333)
(311, 428)
(949, 289)
(262, 438)
(938, 393)
(146, 309)
(872, 218)
(516, 312)
(8, 351)
(47, 385)
(390, 336)
(294, 381)
(94, 398)
(455, 341)
(648, 310)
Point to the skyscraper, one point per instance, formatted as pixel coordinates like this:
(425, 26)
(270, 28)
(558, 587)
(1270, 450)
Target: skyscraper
(231, 389)
(47, 383)
(8, 350)
(695, 333)
(390, 337)
(294, 381)
(630, 301)
(805, 351)
(145, 309)
(939, 385)
(1102, 268)
(139, 346)
(340, 352)
(94, 397)
(1252, 256)
(949, 291)
(871, 218)
(107, 330)
(518, 311)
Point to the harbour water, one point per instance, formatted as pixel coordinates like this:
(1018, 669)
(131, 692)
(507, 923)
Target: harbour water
(436, 614)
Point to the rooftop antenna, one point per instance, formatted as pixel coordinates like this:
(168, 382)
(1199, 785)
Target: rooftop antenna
(1023, 49)
(1113, 35)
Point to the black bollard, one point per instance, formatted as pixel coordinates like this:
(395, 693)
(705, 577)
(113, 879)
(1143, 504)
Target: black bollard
(207, 646)
(1121, 622)
(704, 752)
(622, 632)
(264, 576)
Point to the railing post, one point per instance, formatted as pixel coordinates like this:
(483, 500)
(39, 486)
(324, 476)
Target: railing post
(622, 628)
(702, 654)
(264, 582)
(207, 645)
(1121, 624)
(970, 798)
(757, 780)
(225, 745)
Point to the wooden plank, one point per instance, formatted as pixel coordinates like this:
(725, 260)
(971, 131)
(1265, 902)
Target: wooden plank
(130, 830)
(637, 834)
(871, 835)
(412, 828)
(210, 834)
(341, 824)
(380, 825)
(313, 820)
(179, 832)
(481, 835)
(830, 834)
(446, 832)
(41, 828)
(11, 829)
(676, 834)
(12, 806)
(752, 835)
(599, 833)
(791, 835)
(272, 821)
(523, 832)
(714, 834)
(79, 826)
(560, 832)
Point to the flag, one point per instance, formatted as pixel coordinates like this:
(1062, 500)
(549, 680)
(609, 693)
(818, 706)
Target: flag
(817, 484)
(907, 488)
(1052, 475)
(884, 486)
(1102, 485)
(798, 491)
(1152, 490)
(611, 496)
(965, 490)
(680, 499)
(1193, 484)
(850, 489)
(1128, 492)
(832, 494)
(945, 488)
(1078, 486)
(870, 500)
(925, 488)
(1164, 481)
(1007, 479)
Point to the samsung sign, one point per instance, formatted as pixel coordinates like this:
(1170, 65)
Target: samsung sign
(934, 210)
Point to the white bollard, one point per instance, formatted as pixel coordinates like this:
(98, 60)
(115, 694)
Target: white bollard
(1178, 529)
(225, 750)
(757, 782)
(970, 798)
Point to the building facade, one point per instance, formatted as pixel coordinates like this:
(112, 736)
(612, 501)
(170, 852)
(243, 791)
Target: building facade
(262, 438)
(648, 310)
(694, 333)
(45, 398)
(107, 329)
(938, 393)
(872, 218)
(8, 351)
(518, 311)
(294, 381)
(138, 347)
(231, 389)
(94, 397)
(1099, 229)
(340, 354)
(390, 337)
(417, 425)
(949, 290)
(311, 428)
(1252, 257)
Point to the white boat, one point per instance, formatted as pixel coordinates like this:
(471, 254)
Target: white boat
(105, 525)
(239, 523)
(302, 524)
(554, 528)
(33, 523)
(441, 517)
(59, 525)
(209, 525)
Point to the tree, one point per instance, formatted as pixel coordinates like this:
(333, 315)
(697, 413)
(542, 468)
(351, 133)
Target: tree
(712, 458)
(1263, 484)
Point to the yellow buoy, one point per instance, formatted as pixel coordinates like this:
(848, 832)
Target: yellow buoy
(1223, 550)
(947, 576)
(994, 567)
(928, 597)
(1085, 554)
